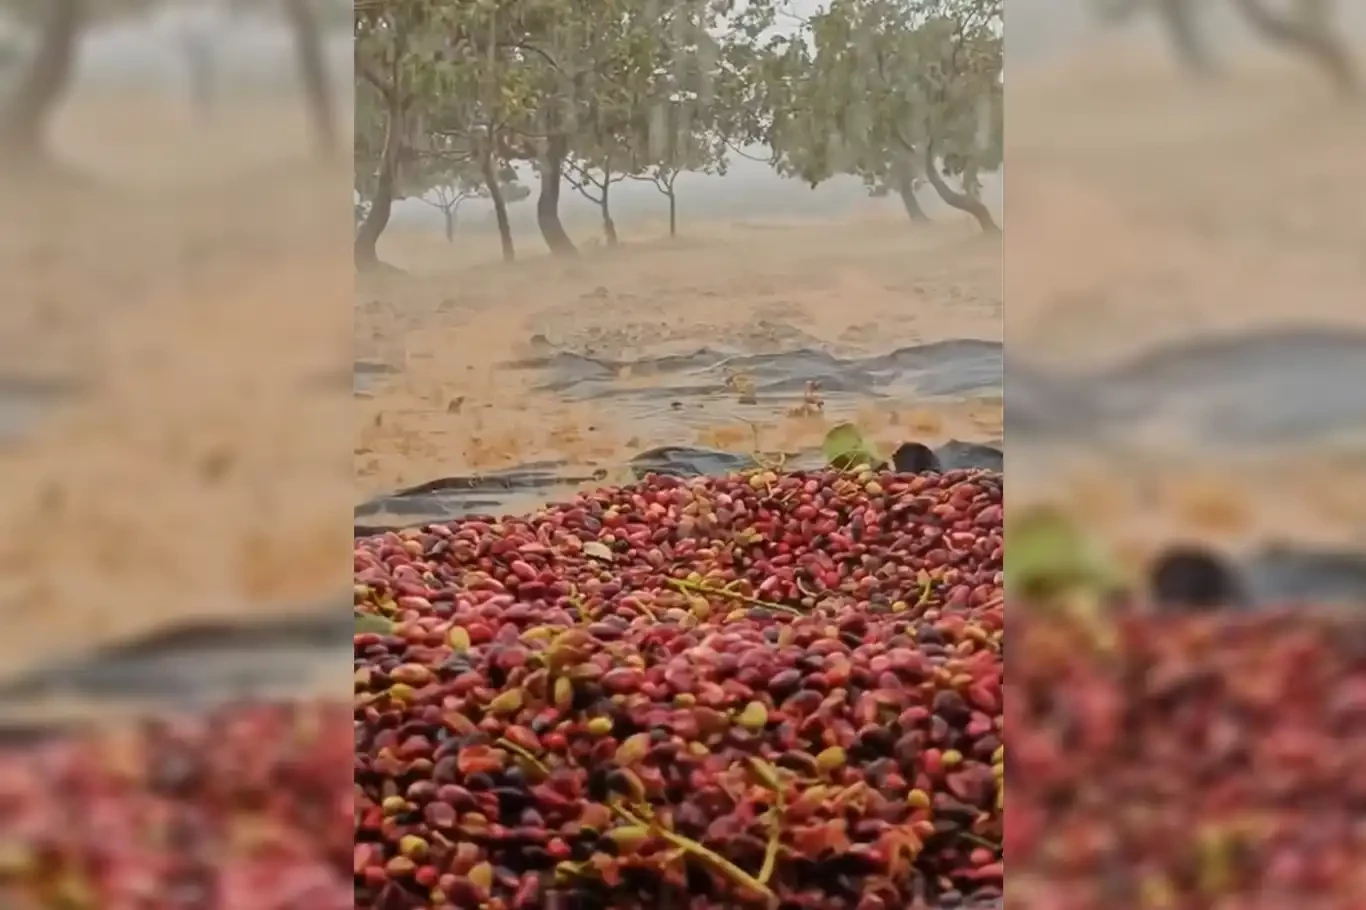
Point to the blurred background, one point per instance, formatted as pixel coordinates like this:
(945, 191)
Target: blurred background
(1185, 270)
(1185, 343)
(174, 343)
(174, 390)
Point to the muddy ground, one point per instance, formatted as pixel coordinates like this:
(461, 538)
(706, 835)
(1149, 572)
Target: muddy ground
(656, 342)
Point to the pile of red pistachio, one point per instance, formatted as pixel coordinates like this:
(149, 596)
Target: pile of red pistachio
(767, 690)
(1190, 762)
(243, 809)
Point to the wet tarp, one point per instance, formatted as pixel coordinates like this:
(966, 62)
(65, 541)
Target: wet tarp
(960, 367)
(185, 667)
(688, 392)
(671, 394)
(24, 399)
(1287, 386)
(515, 490)
(366, 373)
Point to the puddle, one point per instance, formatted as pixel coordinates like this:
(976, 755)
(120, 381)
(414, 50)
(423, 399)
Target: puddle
(24, 400)
(523, 489)
(190, 666)
(365, 374)
(1272, 388)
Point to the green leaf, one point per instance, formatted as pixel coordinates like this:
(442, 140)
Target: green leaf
(845, 448)
(597, 550)
(1047, 555)
(369, 623)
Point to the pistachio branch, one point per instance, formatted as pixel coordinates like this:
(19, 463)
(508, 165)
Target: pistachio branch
(738, 876)
(682, 584)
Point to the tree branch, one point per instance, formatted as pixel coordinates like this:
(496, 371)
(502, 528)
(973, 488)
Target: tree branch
(364, 70)
(771, 160)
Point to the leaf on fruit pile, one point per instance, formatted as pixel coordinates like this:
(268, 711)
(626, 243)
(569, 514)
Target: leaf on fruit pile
(1048, 555)
(1054, 566)
(597, 550)
(370, 623)
(845, 448)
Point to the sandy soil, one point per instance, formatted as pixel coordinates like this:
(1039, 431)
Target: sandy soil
(864, 285)
(200, 289)
(1143, 210)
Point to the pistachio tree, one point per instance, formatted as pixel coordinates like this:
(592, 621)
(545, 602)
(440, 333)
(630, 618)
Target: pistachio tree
(447, 183)
(1304, 27)
(395, 44)
(502, 79)
(615, 62)
(306, 23)
(642, 107)
(682, 127)
(384, 33)
(40, 81)
(893, 91)
(450, 83)
(680, 139)
(37, 74)
(604, 68)
(587, 94)
(1180, 20)
(1307, 29)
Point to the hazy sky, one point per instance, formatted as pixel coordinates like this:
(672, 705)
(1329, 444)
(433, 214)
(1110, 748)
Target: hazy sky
(147, 52)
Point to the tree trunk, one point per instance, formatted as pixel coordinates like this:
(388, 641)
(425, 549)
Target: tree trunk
(673, 213)
(308, 48)
(1310, 33)
(905, 188)
(961, 201)
(548, 202)
(1178, 17)
(450, 224)
(202, 67)
(609, 227)
(24, 121)
(382, 205)
(500, 209)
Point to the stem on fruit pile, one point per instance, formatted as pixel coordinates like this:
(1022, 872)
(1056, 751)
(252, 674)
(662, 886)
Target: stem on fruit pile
(738, 876)
(683, 584)
(533, 760)
(978, 840)
(926, 587)
(769, 776)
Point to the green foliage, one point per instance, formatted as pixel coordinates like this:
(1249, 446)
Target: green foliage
(863, 86)
(844, 448)
(369, 623)
(1051, 557)
(649, 89)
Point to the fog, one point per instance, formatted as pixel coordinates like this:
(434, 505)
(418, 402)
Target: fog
(256, 55)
